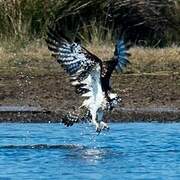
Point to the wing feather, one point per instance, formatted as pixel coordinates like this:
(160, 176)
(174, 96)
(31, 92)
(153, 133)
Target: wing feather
(121, 56)
(118, 63)
(78, 62)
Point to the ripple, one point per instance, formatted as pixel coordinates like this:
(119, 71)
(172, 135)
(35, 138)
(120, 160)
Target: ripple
(44, 146)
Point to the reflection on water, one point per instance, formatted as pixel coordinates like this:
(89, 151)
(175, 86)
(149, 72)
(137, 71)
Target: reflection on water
(90, 154)
(52, 151)
(43, 146)
(75, 150)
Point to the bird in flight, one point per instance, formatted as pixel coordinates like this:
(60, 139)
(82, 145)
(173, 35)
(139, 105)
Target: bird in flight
(89, 75)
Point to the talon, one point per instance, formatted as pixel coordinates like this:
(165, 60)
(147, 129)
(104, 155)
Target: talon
(104, 126)
(98, 130)
(107, 128)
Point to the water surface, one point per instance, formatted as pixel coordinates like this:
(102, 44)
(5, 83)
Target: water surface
(127, 151)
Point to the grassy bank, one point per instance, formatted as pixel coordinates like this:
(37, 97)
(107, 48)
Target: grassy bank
(33, 58)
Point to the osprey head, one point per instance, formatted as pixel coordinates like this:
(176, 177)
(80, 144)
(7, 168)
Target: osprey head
(113, 101)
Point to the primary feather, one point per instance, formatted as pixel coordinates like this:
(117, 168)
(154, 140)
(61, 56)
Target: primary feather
(121, 54)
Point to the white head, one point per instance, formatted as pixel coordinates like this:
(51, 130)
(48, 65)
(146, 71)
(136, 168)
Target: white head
(114, 100)
(112, 95)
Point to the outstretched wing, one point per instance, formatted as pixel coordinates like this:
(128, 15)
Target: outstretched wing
(118, 63)
(83, 67)
(121, 56)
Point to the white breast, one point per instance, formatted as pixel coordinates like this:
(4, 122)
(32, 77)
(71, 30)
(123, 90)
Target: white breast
(95, 95)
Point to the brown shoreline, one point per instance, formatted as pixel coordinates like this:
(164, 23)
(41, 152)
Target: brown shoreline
(161, 115)
(145, 98)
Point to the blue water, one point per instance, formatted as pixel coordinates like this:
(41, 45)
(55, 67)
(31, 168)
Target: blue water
(127, 151)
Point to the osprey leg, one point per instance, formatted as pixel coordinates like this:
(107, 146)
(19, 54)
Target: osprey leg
(93, 120)
(102, 124)
(97, 120)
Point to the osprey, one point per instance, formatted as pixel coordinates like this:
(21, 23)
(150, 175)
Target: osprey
(89, 75)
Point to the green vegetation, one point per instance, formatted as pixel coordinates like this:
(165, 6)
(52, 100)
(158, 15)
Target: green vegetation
(143, 22)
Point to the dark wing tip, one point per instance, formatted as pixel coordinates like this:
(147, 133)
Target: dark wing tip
(55, 34)
(121, 55)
